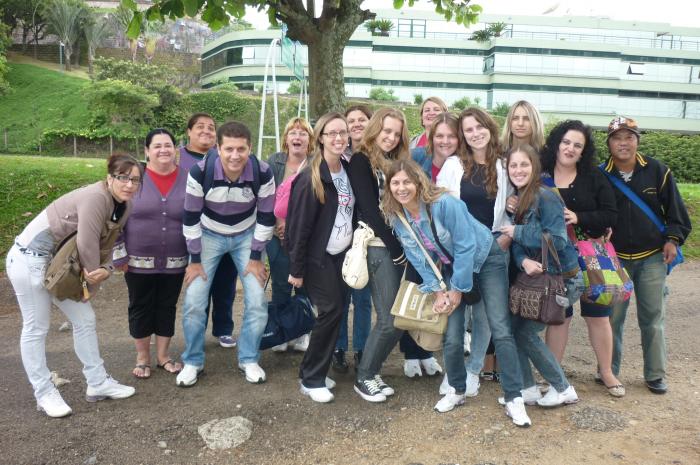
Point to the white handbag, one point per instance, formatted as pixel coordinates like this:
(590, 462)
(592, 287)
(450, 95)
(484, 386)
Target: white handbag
(355, 272)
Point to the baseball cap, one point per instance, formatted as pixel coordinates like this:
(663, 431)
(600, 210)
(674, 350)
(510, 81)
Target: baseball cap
(621, 122)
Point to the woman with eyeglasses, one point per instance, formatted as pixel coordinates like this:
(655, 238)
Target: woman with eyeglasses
(297, 144)
(429, 109)
(96, 214)
(319, 231)
(153, 254)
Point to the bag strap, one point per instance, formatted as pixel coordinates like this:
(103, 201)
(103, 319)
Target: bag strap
(641, 204)
(402, 217)
(548, 246)
(437, 239)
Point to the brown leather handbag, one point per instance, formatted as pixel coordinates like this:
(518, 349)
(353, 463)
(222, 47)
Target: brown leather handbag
(541, 297)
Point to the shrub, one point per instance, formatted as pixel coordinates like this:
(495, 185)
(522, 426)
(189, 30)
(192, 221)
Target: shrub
(380, 93)
(464, 102)
(294, 87)
(417, 99)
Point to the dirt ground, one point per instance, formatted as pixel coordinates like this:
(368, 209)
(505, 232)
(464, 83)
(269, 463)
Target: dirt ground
(288, 428)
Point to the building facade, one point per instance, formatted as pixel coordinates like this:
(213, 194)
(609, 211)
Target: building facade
(569, 67)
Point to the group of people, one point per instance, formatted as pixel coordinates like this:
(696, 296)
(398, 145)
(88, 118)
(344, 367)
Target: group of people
(476, 199)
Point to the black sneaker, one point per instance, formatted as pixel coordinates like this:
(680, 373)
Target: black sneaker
(657, 386)
(369, 390)
(383, 387)
(338, 362)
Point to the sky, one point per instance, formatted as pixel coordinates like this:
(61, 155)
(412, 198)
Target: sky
(675, 12)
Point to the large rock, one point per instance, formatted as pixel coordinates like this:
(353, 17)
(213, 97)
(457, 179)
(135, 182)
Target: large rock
(226, 433)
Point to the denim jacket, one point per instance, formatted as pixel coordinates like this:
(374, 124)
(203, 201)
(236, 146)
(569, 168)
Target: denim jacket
(467, 240)
(420, 156)
(547, 214)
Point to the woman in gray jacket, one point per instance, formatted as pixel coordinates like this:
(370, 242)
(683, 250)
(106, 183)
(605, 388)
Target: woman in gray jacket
(96, 213)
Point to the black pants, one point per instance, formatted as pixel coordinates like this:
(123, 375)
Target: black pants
(329, 294)
(152, 303)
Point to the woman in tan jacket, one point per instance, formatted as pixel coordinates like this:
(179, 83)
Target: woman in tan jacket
(95, 213)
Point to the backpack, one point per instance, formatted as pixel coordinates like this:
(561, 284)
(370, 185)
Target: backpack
(209, 164)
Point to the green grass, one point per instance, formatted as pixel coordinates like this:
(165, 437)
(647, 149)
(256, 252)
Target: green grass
(29, 183)
(40, 99)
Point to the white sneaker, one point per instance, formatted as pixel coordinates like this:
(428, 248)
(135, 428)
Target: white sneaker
(449, 402)
(300, 344)
(555, 399)
(472, 384)
(445, 387)
(530, 396)
(53, 404)
(467, 342)
(322, 394)
(187, 376)
(253, 373)
(431, 366)
(411, 368)
(109, 389)
(515, 409)
(280, 348)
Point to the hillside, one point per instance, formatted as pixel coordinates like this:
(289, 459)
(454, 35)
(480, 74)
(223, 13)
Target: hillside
(40, 98)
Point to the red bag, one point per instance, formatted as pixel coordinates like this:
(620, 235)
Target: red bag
(282, 193)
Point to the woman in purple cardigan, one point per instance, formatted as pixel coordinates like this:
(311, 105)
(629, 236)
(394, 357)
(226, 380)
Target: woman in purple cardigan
(154, 255)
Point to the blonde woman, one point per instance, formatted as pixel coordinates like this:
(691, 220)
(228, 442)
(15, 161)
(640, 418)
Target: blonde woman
(523, 126)
(429, 109)
(385, 140)
(318, 233)
(297, 143)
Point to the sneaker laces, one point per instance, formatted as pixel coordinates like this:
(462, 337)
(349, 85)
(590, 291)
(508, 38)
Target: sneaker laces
(380, 381)
(372, 386)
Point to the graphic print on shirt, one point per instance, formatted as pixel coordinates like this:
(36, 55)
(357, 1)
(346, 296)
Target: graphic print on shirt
(343, 220)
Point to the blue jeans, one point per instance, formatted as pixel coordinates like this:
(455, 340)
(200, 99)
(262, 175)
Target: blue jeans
(279, 273)
(361, 320)
(453, 349)
(384, 280)
(194, 319)
(481, 336)
(493, 284)
(649, 278)
(532, 348)
(223, 293)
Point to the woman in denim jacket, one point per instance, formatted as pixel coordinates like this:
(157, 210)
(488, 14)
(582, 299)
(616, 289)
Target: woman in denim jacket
(539, 210)
(461, 248)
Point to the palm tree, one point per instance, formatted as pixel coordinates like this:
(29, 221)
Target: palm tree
(481, 36)
(65, 17)
(496, 29)
(95, 30)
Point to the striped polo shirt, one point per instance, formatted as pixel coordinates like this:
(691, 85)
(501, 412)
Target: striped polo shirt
(229, 208)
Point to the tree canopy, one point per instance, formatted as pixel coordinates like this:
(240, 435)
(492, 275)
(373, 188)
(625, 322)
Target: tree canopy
(325, 34)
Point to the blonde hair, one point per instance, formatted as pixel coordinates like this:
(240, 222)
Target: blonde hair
(315, 165)
(303, 124)
(426, 192)
(369, 148)
(449, 119)
(437, 100)
(537, 137)
(494, 150)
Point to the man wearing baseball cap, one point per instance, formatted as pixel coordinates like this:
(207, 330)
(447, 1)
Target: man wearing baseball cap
(645, 251)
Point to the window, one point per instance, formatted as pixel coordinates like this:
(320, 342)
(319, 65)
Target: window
(489, 63)
(636, 69)
(234, 56)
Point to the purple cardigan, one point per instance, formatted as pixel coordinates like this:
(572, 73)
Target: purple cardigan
(152, 240)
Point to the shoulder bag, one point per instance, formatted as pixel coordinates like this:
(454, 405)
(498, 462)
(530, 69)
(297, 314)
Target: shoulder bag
(354, 269)
(642, 205)
(413, 309)
(605, 279)
(540, 297)
(63, 278)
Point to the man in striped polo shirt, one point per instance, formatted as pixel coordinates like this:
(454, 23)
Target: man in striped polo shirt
(234, 216)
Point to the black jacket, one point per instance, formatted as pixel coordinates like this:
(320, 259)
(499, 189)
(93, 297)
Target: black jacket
(309, 222)
(634, 235)
(366, 189)
(592, 198)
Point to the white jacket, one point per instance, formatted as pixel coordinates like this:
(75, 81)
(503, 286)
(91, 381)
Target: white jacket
(451, 175)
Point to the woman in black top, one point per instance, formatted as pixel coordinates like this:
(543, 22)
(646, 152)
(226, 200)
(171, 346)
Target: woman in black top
(569, 158)
(385, 140)
(318, 233)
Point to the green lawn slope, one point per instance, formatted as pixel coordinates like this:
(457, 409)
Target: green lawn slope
(29, 183)
(40, 99)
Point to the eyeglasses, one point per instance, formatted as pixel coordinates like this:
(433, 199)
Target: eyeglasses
(298, 133)
(335, 134)
(135, 180)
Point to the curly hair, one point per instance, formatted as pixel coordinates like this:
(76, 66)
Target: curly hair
(551, 146)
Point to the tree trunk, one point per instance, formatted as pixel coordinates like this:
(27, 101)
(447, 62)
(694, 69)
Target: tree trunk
(67, 52)
(91, 58)
(326, 77)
